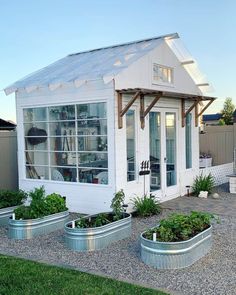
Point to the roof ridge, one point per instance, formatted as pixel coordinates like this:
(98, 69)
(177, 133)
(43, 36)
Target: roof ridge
(167, 36)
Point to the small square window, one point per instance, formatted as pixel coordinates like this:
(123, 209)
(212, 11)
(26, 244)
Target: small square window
(162, 74)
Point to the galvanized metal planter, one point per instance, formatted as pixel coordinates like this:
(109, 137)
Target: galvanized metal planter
(96, 238)
(27, 229)
(173, 255)
(5, 213)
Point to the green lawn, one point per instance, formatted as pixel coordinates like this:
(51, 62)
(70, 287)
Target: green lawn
(23, 277)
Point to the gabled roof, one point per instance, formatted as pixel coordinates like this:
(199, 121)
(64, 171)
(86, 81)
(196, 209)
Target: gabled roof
(6, 125)
(103, 63)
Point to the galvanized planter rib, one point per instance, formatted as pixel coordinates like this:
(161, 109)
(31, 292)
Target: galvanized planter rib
(173, 255)
(27, 229)
(5, 213)
(89, 239)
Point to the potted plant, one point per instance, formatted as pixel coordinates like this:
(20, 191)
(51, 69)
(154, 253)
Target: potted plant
(10, 200)
(44, 215)
(94, 232)
(178, 241)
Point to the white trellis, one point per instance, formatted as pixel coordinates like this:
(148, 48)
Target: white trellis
(219, 172)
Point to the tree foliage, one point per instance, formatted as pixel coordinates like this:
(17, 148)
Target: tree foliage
(228, 110)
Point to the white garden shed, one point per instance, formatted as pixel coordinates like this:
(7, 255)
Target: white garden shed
(88, 121)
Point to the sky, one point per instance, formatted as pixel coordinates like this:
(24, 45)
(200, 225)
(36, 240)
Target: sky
(34, 34)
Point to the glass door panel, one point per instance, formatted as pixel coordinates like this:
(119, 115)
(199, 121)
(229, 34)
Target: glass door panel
(170, 159)
(155, 150)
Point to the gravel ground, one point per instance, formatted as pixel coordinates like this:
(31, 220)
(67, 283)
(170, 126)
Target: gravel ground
(213, 274)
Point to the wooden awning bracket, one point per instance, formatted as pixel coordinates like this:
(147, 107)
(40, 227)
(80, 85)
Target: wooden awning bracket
(122, 112)
(198, 114)
(155, 100)
(185, 113)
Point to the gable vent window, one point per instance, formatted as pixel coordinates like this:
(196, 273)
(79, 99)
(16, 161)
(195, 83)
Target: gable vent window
(162, 74)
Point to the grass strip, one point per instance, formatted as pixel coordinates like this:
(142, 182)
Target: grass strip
(20, 276)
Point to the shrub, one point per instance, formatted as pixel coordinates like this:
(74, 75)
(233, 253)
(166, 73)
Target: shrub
(146, 206)
(11, 198)
(180, 227)
(41, 205)
(203, 183)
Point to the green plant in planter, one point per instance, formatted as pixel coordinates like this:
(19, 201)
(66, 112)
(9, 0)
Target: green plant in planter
(55, 203)
(203, 183)
(146, 206)
(101, 219)
(117, 204)
(181, 227)
(41, 205)
(10, 198)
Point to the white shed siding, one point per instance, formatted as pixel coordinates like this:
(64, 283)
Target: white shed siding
(184, 176)
(86, 198)
(139, 74)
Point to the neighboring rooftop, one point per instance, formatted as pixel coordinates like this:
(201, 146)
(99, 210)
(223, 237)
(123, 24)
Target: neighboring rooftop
(211, 117)
(104, 63)
(6, 125)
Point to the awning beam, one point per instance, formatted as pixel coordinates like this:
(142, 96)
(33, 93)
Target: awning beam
(122, 112)
(185, 113)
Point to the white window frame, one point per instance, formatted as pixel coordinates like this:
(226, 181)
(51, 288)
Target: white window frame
(160, 81)
(49, 165)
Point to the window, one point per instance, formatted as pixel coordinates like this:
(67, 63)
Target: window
(67, 143)
(162, 74)
(130, 145)
(188, 141)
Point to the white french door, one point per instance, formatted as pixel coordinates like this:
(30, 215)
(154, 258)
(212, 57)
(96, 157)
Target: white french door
(163, 151)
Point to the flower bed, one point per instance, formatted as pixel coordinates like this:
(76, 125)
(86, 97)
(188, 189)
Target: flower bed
(94, 232)
(44, 215)
(177, 241)
(9, 201)
(98, 231)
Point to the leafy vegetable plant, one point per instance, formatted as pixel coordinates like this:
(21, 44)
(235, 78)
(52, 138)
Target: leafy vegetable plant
(181, 227)
(10, 198)
(146, 206)
(41, 205)
(203, 183)
(117, 204)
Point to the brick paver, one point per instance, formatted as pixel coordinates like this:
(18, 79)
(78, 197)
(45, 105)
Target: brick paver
(225, 205)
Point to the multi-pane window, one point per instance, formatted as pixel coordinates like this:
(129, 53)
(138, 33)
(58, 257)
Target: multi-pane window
(130, 145)
(162, 74)
(67, 143)
(188, 141)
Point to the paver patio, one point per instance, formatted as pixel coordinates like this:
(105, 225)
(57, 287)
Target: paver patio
(214, 274)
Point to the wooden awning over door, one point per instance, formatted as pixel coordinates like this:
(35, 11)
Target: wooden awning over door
(140, 94)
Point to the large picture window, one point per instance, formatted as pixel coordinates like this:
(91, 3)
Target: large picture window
(67, 143)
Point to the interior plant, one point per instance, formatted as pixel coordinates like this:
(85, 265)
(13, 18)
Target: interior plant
(9, 198)
(180, 227)
(41, 205)
(203, 183)
(146, 206)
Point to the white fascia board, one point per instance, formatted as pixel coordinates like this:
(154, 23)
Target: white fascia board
(54, 86)
(31, 88)
(79, 83)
